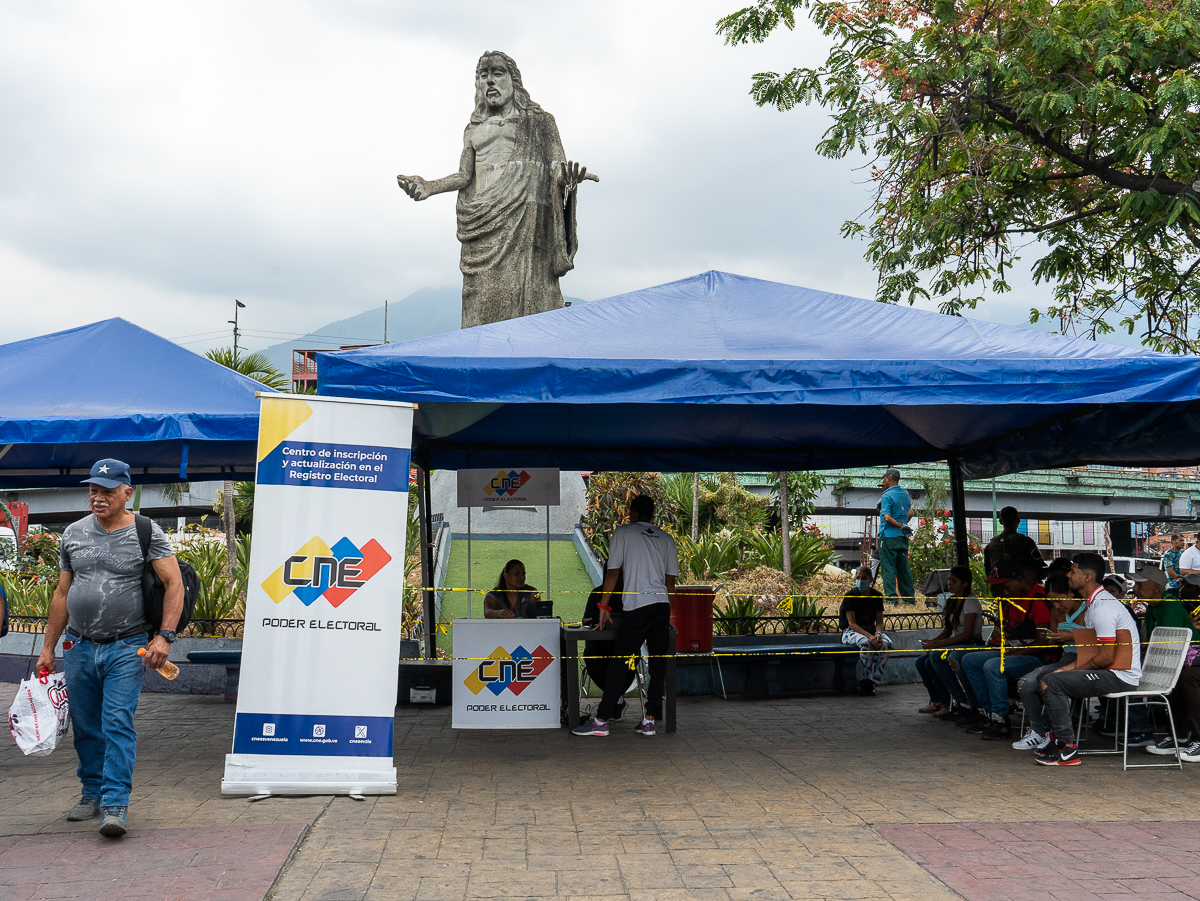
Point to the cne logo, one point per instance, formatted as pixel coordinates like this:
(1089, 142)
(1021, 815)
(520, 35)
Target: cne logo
(502, 670)
(318, 570)
(507, 482)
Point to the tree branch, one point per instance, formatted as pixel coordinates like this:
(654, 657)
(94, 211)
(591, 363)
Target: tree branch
(1126, 180)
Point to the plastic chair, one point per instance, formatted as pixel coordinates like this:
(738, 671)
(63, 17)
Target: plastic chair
(1160, 671)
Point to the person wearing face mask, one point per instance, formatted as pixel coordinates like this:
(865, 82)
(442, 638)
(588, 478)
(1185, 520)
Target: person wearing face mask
(861, 621)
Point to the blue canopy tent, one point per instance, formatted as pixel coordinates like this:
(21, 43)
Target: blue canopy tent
(721, 371)
(724, 372)
(111, 389)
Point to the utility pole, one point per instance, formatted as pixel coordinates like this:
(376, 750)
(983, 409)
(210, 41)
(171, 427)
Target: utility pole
(238, 305)
(995, 515)
(695, 506)
(227, 488)
(785, 532)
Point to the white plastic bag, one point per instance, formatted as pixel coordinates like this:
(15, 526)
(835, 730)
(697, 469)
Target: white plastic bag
(39, 716)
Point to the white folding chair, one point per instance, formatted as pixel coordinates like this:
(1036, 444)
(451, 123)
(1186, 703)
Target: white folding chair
(1160, 671)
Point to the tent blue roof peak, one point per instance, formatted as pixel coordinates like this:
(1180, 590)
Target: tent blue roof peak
(720, 315)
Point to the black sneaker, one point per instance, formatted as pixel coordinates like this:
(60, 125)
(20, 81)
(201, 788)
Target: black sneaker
(866, 688)
(979, 726)
(1166, 747)
(1058, 753)
(997, 729)
(952, 714)
(971, 717)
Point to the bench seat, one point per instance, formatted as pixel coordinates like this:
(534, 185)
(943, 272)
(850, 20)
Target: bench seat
(230, 659)
(764, 662)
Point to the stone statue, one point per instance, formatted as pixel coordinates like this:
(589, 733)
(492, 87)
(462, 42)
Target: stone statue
(516, 200)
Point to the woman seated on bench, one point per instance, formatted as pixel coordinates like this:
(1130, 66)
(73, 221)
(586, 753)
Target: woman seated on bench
(962, 627)
(861, 621)
(511, 598)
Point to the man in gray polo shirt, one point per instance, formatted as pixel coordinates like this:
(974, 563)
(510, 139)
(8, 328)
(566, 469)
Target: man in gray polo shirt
(99, 603)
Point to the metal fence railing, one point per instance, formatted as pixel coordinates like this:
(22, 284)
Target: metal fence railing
(197, 628)
(722, 625)
(815, 625)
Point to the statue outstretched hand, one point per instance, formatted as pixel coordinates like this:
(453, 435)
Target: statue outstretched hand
(414, 186)
(571, 174)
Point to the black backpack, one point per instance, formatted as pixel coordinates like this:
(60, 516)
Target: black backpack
(153, 589)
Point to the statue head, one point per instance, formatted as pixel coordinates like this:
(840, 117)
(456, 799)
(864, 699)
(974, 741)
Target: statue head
(498, 80)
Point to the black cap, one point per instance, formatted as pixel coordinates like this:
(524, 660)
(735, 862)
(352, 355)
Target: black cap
(1005, 570)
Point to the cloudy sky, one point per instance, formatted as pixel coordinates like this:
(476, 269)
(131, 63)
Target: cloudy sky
(159, 159)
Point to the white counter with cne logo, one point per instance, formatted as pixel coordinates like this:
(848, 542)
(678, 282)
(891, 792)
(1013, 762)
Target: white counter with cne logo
(506, 674)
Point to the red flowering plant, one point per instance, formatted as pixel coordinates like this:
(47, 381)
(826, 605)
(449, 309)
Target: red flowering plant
(932, 545)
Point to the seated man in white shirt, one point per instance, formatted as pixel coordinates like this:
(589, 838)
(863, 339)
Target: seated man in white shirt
(1189, 560)
(1107, 616)
(647, 558)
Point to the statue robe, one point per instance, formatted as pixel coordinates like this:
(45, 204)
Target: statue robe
(518, 235)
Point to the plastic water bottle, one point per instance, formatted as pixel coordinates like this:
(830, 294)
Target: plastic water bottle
(168, 670)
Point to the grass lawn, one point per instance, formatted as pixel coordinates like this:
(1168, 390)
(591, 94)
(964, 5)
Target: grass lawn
(570, 584)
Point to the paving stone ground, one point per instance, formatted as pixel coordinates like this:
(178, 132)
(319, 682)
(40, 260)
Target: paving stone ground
(814, 797)
(1060, 861)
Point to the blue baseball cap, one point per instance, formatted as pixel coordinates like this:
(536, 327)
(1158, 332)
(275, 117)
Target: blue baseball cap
(109, 473)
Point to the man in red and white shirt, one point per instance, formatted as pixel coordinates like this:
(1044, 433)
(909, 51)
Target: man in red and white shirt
(1107, 616)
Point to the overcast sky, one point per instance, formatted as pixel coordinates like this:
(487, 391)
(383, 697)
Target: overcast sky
(159, 159)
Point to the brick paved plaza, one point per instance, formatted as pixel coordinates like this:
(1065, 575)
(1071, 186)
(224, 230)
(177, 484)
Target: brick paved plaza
(816, 797)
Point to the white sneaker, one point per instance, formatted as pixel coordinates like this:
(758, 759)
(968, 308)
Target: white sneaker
(1166, 747)
(1032, 742)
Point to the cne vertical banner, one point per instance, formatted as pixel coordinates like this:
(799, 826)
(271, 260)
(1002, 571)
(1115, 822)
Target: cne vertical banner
(317, 693)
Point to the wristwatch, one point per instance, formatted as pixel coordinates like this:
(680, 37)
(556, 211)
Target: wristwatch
(167, 635)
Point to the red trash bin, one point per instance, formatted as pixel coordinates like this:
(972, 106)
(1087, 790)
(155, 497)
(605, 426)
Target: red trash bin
(692, 617)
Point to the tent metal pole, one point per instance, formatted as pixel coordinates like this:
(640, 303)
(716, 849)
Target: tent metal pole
(547, 552)
(958, 503)
(429, 626)
(469, 563)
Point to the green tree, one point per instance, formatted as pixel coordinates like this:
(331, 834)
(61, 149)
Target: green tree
(255, 366)
(243, 505)
(803, 488)
(259, 368)
(608, 497)
(1066, 127)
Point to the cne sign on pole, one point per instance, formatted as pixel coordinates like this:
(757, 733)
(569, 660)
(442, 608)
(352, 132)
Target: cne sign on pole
(519, 487)
(317, 694)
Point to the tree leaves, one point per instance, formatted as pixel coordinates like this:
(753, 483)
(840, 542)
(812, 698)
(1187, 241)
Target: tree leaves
(1066, 129)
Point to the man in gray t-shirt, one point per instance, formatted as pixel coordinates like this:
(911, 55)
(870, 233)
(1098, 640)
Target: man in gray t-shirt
(99, 603)
(105, 598)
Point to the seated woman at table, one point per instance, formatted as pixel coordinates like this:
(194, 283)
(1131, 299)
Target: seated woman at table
(511, 598)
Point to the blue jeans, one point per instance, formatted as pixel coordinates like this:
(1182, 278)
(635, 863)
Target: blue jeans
(989, 683)
(938, 693)
(956, 684)
(104, 682)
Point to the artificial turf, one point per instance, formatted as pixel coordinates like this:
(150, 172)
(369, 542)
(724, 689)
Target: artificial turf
(570, 584)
